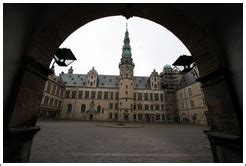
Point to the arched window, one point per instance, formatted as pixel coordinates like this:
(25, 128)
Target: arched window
(69, 108)
(98, 108)
(83, 108)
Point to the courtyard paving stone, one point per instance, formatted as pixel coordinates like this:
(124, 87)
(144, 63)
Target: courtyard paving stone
(86, 142)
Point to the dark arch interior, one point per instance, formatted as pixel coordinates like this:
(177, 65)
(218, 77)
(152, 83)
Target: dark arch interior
(211, 33)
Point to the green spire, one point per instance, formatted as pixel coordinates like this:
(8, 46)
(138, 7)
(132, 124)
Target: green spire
(126, 50)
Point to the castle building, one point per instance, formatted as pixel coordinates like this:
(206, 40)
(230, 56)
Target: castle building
(190, 100)
(122, 97)
(52, 100)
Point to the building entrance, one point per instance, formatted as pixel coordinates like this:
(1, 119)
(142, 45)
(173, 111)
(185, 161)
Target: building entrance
(91, 117)
(126, 117)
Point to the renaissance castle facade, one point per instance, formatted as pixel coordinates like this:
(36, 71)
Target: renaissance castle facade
(122, 97)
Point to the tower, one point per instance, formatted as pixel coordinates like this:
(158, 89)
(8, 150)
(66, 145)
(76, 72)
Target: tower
(126, 67)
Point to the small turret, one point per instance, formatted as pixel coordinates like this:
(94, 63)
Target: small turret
(70, 71)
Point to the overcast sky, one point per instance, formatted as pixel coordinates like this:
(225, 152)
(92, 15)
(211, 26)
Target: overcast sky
(99, 44)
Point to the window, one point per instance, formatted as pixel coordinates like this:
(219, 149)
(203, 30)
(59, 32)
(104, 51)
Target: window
(51, 102)
(48, 87)
(162, 107)
(192, 104)
(146, 107)
(151, 96)
(67, 94)
(116, 116)
(53, 89)
(99, 95)
(69, 108)
(111, 95)
(134, 116)
(157, 107)
(74, 93)
(126, 87)
(134, 107)
(152, 107)
(140, 116)
(83, 107)
(110, 115)
(105, 95)
(116, 95)
(146, 96)
(162, 97)
(86, 94)
(59, 105)
(139, 96)
(116, 106)
(61, 92)
(156, 97)
(110, 105)
(155, 86)
(190, 92)
(57, 90)
(93, 94)
(126, 92)
(98, 108)
(55, 104)
(46, 100)
(157, 117)
(139, 106)
(163, 116)
(134, 96)
(80, 94)
(91, 83)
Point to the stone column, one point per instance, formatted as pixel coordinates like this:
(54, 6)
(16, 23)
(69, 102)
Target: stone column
(21, 117)
(225, 134)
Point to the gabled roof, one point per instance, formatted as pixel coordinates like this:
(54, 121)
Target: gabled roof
(104, 81)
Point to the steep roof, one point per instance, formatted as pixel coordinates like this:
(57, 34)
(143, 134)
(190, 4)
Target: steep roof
(141, 82)
(104, 81)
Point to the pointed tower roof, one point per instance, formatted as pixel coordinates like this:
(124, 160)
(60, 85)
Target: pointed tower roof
(126, 50)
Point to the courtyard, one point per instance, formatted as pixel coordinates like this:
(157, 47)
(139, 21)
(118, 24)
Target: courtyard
(86, 142)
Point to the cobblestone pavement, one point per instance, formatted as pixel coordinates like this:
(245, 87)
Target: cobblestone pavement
(85, 142)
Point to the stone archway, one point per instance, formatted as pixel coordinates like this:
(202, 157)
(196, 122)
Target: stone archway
(52, 24)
